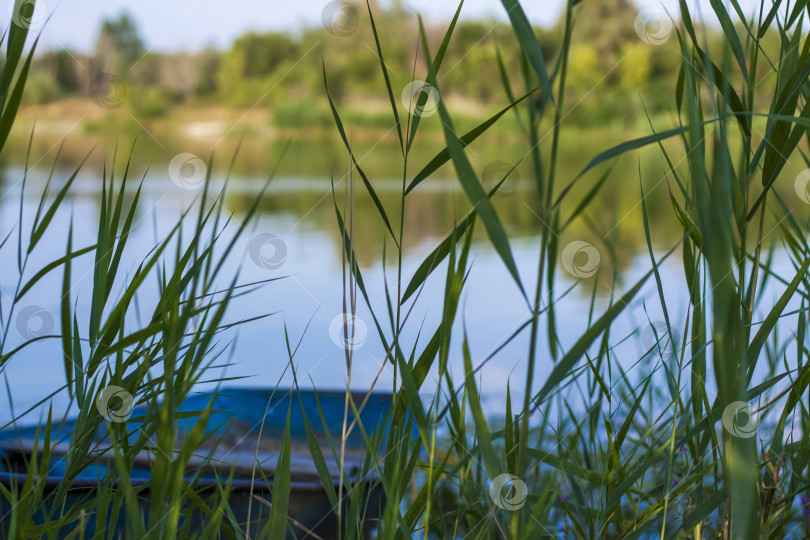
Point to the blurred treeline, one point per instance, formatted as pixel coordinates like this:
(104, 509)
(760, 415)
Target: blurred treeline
(611, 70)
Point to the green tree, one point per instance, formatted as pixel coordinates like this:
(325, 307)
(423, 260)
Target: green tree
(119, 44)
(260, 54)
(250, 67)
(636, 68)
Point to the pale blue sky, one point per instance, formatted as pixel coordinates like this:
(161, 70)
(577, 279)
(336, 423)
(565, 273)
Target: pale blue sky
(192, 24)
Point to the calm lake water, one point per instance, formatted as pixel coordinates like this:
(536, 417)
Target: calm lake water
(296, 239)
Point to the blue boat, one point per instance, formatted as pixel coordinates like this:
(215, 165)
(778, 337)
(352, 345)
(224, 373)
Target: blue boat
(244, 436)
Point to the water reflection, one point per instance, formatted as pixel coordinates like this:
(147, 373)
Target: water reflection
(298, 212)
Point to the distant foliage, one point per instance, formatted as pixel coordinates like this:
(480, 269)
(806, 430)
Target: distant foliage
(274, 69)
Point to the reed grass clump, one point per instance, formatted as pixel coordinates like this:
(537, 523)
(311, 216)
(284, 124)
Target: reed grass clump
(703, 435)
